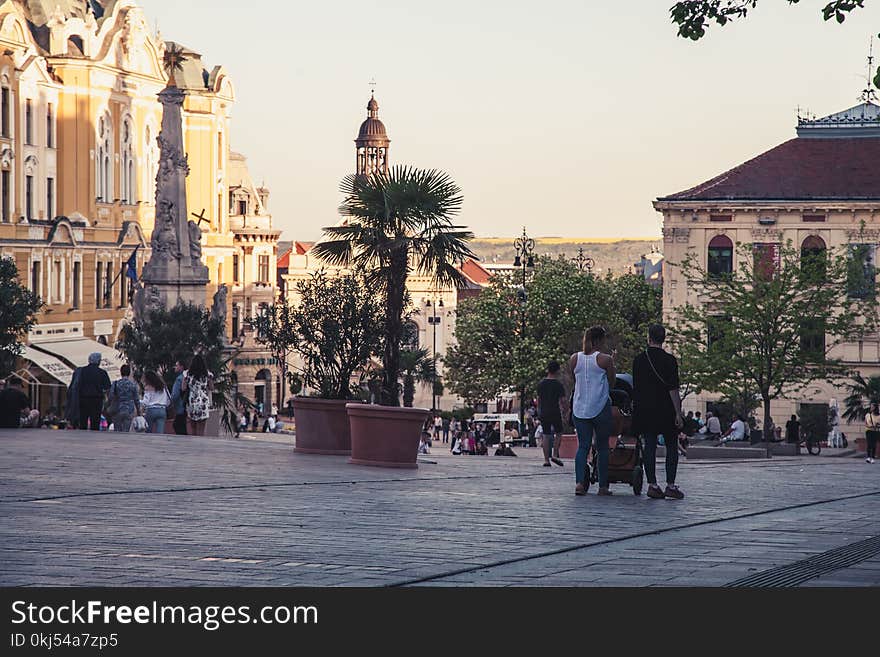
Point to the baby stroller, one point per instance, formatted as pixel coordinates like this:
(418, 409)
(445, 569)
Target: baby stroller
(624, 450)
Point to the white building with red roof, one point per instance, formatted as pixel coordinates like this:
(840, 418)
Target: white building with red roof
(819, 190)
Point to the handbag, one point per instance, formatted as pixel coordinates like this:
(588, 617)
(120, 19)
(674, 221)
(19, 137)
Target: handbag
(139, 424)
(111, 404)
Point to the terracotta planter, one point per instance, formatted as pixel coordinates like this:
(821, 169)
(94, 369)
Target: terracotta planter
(321, 426)
(568, 446)
(385, 436)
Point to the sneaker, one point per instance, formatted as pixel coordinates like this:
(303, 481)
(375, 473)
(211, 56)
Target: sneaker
(674, 493)
(604, 491)
(655, 492)
(580, 490)
(869, 460)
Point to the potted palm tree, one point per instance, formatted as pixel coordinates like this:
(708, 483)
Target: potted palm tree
(335, 327)
(398, 221)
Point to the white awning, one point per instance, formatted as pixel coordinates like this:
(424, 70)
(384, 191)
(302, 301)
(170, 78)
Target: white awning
(76, 353)
(49, 364)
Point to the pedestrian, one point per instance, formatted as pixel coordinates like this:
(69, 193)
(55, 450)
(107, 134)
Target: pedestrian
(793, 430)
(713, 426)
(93, 383)
(438, 427)
(594, 375)
(446, 427)
(657, 410)
(551, 396)
(736, 432)
(178, 398)
(872, 429)
(125, 392)
(155, 402)
(197, 384)
(13, 404)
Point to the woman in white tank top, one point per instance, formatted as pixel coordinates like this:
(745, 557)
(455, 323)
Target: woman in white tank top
(591, 409)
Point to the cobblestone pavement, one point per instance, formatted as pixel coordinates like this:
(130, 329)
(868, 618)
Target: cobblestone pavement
(80, 508)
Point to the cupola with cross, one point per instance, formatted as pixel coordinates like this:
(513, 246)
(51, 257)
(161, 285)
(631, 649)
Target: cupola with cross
(372, 142)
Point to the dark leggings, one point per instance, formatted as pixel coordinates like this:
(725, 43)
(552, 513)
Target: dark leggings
(670, 438)
(871, 437)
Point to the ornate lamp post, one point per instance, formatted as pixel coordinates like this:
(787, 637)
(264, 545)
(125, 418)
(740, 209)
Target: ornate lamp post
(583, 262)
(434, 320)
(525, 250)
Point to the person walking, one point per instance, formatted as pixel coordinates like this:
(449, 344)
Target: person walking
(197, 384)
(178, 399)
(657, 410)
(155, 402)
(551, 395)
(125, 390)
(594, 375)
(93, 384)
(13, 404)
(793, 431)
(446, 425)
(872, 431)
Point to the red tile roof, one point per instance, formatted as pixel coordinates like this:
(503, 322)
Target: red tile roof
(474, 271)
(303, 247)
(799, 169)
(284, 260)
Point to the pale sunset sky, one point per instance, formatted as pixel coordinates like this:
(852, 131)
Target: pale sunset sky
(566, 116)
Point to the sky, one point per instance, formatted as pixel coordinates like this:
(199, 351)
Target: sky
(566, 117)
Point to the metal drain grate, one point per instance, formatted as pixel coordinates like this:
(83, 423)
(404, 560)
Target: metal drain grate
(820, 564)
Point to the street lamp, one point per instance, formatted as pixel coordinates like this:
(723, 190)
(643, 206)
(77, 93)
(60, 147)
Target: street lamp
(583, 262)
(525, 249)
(434, 319)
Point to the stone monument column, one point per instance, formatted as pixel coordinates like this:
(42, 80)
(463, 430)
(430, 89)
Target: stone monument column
(174, 273)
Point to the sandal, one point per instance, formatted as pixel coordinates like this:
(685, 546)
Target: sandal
(557, 461)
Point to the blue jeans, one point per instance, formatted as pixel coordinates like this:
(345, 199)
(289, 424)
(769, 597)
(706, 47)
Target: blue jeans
(601, 425)
(155, 416)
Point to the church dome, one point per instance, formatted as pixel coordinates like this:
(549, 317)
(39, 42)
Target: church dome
(372, 129)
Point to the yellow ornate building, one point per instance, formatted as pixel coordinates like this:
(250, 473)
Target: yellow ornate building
(79, 117)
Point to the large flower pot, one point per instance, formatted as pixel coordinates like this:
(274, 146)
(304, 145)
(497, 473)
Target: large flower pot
(321, 426)
(568, 445)
(385, 436)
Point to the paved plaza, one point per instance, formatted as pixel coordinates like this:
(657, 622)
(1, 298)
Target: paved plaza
(107, 509)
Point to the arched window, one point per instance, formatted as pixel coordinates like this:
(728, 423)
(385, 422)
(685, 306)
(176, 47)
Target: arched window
(720, 260)
(151, 164)
(128, 189)
(410, 338)
(814, 255)
(103, 155)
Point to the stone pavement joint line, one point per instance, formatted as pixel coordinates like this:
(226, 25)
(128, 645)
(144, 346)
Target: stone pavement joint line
(802, 571)
(655, 532)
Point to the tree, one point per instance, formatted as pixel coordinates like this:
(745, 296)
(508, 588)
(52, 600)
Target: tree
(694, 16)
(862, 394)
(20, 307)
(773, 324)
(274, 328)
(416, 366)
(167, 335)
(336, 326)
(495, 351)
(398, 221)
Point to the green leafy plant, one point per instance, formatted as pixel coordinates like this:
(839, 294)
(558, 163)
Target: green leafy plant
(20, 307)
(336, 327)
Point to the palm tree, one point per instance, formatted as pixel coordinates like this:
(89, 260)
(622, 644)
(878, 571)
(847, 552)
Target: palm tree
(399, 221)
(862, 393)
(416, 367)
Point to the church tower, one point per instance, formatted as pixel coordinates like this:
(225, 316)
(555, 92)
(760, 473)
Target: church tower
(372, 142)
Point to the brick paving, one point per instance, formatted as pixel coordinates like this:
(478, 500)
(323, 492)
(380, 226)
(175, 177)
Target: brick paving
(79, 508)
